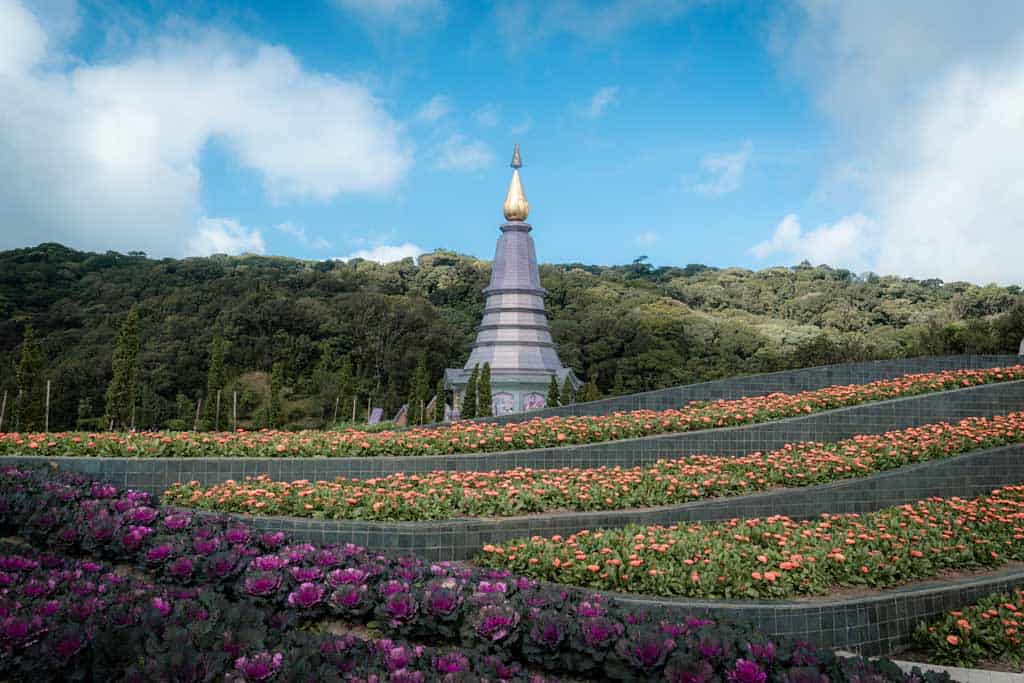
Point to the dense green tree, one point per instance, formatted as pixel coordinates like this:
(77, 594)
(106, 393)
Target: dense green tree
(31, 405)
(568, 393)
(122, 390)
(554, 397)
(591, 392)
(483, 393)
(439, 400)
(631, 327)
(469, 401)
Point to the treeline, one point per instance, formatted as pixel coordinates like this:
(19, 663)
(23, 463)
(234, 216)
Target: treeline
(296, 343)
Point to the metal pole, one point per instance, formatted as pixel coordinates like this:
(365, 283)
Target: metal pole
(423, 417)
(47, 428)
(195, 425)
(354, 399)
(234, 411)
(216, 420)
(3, 409)
(369, 400)
(337, 402)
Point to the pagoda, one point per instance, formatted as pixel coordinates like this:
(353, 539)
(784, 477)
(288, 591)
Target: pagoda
(514, 336)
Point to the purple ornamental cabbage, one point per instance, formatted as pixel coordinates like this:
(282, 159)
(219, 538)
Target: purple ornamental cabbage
(400, 609)
(159, 553)
(262, 584)
(349, 576)
(599, 633)
(307, 595)
(304, 574)
(495, 622)
(451, 663)
(269, 563)
(746, 671)
(259, 667)
(177, 521)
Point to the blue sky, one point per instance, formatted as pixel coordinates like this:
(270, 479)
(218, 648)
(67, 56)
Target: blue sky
(729, 133)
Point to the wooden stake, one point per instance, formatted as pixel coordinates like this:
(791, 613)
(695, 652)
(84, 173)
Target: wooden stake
(47, 428)
(216, 420)
(234, 411)
(3, 409)
(195, 425)
(368, 402)
(337, 402)
(354, 398)
(423, 417)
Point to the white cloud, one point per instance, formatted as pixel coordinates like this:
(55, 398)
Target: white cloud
(487, 115)
(848, 243)
(929, 105)
(459, 154)
(523, 126)
(386, 253)
(724, 172)
(22, 39)
(599, 102)
(224, 236)
(299, 233)
(646, 239)
(405, 15)
(106, 155)
(437, 107)
(587, 20)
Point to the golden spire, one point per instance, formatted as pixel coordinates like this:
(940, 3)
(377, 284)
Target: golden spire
(516, 207)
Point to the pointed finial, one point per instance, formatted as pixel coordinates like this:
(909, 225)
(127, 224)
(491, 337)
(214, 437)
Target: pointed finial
(516, 207)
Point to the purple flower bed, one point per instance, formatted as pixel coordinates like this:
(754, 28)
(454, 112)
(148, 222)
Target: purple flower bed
(63, 619)
(489, 617)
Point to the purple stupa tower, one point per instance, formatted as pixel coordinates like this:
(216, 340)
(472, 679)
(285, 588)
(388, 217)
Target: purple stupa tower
(514, 336)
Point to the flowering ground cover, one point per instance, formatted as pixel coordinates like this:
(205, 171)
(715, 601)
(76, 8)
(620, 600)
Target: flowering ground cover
(778, 557)
(447, 494)
(989, 631)
(469, 437)
(244, 606)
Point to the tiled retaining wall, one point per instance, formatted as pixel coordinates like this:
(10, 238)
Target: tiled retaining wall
(156, 474)
(788, 381)
(967, 475)
(878, 624)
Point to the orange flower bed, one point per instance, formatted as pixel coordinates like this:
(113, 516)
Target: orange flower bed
(447, 494)
(991, 630)
(779, 557)
(469, 437)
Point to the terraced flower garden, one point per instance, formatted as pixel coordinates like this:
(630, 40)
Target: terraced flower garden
(445, 494)
(470, 437)
(203, 598)
(100, 583)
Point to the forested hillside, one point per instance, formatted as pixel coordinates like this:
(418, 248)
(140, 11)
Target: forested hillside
(629, 328)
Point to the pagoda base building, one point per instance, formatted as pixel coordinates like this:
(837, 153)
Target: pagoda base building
(514, 336)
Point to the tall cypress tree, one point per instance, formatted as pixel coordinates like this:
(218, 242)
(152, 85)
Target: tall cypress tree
(346, 389)
(567, 392)
(591, 392)
(121, 390)
(439, 401)
(274, 400)
(421, 389)
(553, 396)
(31, 384)
(469, 400)
(216, 380)
(483, 393)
